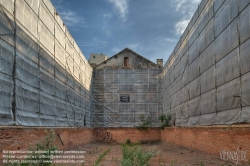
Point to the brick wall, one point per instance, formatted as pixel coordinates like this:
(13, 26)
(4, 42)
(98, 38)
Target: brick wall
(120, 135)
(18, 138)
(211, 140)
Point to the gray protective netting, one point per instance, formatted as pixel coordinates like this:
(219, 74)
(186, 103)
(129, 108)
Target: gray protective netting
(213, 86)
(143, 88)
(45, 80)
(42, 80)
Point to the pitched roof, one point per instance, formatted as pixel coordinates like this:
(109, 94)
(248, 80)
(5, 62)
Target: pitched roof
(128, 50)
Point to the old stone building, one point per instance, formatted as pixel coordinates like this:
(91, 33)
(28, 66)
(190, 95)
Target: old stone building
(47, 81)
(96, 59)
(126, 89)
(127, 59)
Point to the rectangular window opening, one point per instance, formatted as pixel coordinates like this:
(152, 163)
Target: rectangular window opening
(125, 61)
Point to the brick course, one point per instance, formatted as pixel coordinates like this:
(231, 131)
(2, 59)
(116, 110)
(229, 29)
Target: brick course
(207, 139)
(211, 140)
(120, 135)
(21, 138)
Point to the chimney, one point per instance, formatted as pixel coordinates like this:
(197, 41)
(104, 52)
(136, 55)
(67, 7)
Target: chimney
(159, 62)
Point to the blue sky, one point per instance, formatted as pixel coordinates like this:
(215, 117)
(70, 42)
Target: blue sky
(151, 28)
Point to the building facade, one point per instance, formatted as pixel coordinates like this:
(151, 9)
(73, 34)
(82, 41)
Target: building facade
(126, 90)
(127, 59)
(96, 59)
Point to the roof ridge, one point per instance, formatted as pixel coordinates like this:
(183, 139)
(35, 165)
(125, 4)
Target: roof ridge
(127, 49)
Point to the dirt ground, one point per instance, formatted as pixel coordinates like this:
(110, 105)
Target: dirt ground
(166, 155)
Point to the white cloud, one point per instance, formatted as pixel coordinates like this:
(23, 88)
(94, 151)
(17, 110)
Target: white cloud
(170, 40)
(116, 50)
(93, 43)
(133, 47)
(179, 4)
(107, 15)
(121, 6)
(125, 26)
(106, 24)
(181, 26)
(163, 41)
(70, 18)
(186, 8)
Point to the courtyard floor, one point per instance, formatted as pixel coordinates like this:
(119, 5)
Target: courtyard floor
(165, 155)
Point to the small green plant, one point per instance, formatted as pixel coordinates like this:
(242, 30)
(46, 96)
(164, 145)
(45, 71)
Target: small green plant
(165, 121)
(146, 123)
(128, 141)
(136, 156)
(102, 156)
(9, 163)
(47, 146)
(201, 164)
(144, 157)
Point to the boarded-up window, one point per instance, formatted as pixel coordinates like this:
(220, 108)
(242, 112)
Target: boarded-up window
(125, 61)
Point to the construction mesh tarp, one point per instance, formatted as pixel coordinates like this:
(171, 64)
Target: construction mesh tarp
(44, 78)
(206, 79)
(46, 81)
(142, 88)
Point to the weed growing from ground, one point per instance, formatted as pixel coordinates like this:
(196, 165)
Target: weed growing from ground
(146, 123)
(47, 146)
(102, 156)
(165, 120)
(135, 155)
(128, 141)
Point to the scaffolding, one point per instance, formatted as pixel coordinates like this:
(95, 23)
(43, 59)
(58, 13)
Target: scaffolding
(206, 79)
(44, 78)
(140, 86)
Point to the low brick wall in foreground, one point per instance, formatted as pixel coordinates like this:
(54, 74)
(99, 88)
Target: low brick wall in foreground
(212, 139)
(19, 138)
(216, 140)
(120, 135)
(22, 138)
